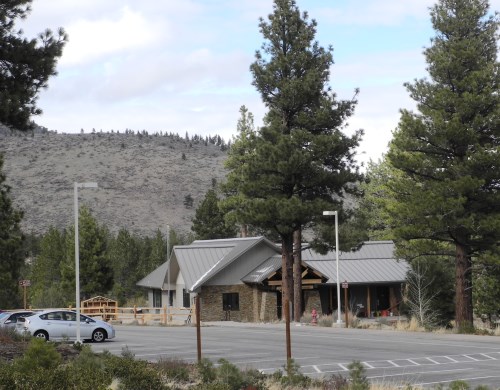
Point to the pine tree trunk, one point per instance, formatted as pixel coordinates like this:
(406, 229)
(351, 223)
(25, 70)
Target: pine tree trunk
(297, 275)
(463, 291)
(287, 268)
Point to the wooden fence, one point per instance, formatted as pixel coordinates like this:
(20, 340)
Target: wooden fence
(141, 315)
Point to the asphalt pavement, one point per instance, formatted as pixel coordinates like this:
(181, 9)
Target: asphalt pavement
(389, 357)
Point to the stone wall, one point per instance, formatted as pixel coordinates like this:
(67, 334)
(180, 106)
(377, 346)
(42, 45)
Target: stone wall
(312, 299)
(254, 304)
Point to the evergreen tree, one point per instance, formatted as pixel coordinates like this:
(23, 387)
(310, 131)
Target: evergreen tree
(96, 277)
(299, 163)
(209, 222)
(445, 188)
(25, 65)
(11, 241)
(46, 271)
(124, 255)
(486, 286)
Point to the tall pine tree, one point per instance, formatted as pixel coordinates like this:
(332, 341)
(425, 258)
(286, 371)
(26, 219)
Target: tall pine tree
(299, 163)
(447, 153)
(11, 240)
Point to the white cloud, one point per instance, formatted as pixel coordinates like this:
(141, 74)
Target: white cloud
(94, 39)
(376, 12)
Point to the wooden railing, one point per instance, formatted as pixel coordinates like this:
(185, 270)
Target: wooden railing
(141, 315)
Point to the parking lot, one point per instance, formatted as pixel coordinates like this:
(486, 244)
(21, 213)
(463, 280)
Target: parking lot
(425, 359)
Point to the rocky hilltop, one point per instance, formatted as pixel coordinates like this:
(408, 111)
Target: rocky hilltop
(143, 179)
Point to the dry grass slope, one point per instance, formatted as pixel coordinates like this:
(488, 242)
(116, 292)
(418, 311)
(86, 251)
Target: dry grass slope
(143, 180)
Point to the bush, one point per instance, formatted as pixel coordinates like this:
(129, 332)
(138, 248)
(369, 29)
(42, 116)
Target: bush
(40, 354)
(206, 371)
(293, 376)
(357, 376)
(335, 382)
(229, 375)
(175, 370)
(459, 385)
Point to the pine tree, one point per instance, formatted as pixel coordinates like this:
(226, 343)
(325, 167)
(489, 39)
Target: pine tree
(299, 163)
(209, 222)
(25, 65)
(446, 155)
(96, 275)
(46, 271)
(11, 240)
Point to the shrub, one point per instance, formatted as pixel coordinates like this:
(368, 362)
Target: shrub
(174, 369)
(459, 385)
(206, 371)
(40, 354)
(357, 376)
(335, 382)
(293, 376)
(326, 321)
(228, 374)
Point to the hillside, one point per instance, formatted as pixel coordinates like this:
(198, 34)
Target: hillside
(143, 179)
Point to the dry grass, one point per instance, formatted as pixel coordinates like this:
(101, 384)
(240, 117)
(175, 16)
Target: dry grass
(409, 326)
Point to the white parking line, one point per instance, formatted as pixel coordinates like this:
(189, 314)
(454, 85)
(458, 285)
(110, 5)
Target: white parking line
(451, 380)
(343, 367)
(417, 373)
(317, 369)
(411, 361)
(394, 364)
(488, 356)
(471, 358)
(450, 358)
(432, 360)
(368, 365)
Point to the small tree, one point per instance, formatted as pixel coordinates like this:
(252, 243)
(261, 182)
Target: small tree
(419, 297)
(188, 201)
(209, 222)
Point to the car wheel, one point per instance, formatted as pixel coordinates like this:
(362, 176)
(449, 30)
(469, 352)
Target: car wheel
(41, 334)
(99, 335)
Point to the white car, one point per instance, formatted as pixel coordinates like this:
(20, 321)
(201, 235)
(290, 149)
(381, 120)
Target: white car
(62, 325)
(9, 319)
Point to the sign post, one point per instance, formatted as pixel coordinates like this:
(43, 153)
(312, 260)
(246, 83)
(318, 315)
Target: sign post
(345, 286)
(25, 283)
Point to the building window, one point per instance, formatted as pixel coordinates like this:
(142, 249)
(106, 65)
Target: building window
(156, 298)
(186, 301)
(230, 301)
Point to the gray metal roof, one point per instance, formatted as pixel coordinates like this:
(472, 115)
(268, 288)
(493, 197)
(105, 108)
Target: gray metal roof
(262, 272)
(373, 262)
(203, 259)
(156, 278)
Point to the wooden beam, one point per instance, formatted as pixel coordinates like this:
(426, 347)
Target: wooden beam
(311, 281)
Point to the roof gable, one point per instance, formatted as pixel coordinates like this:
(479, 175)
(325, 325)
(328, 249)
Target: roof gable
(204, 259)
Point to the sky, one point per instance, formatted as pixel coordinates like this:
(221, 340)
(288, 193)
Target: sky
(183, 65)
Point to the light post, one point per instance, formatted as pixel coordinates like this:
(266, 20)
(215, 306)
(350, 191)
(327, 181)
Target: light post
(77, 257)
(339, 321)
(168, 273)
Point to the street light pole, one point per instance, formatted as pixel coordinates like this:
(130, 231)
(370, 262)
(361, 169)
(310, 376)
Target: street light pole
(339, 321)
(77, 257)
(168, 273)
